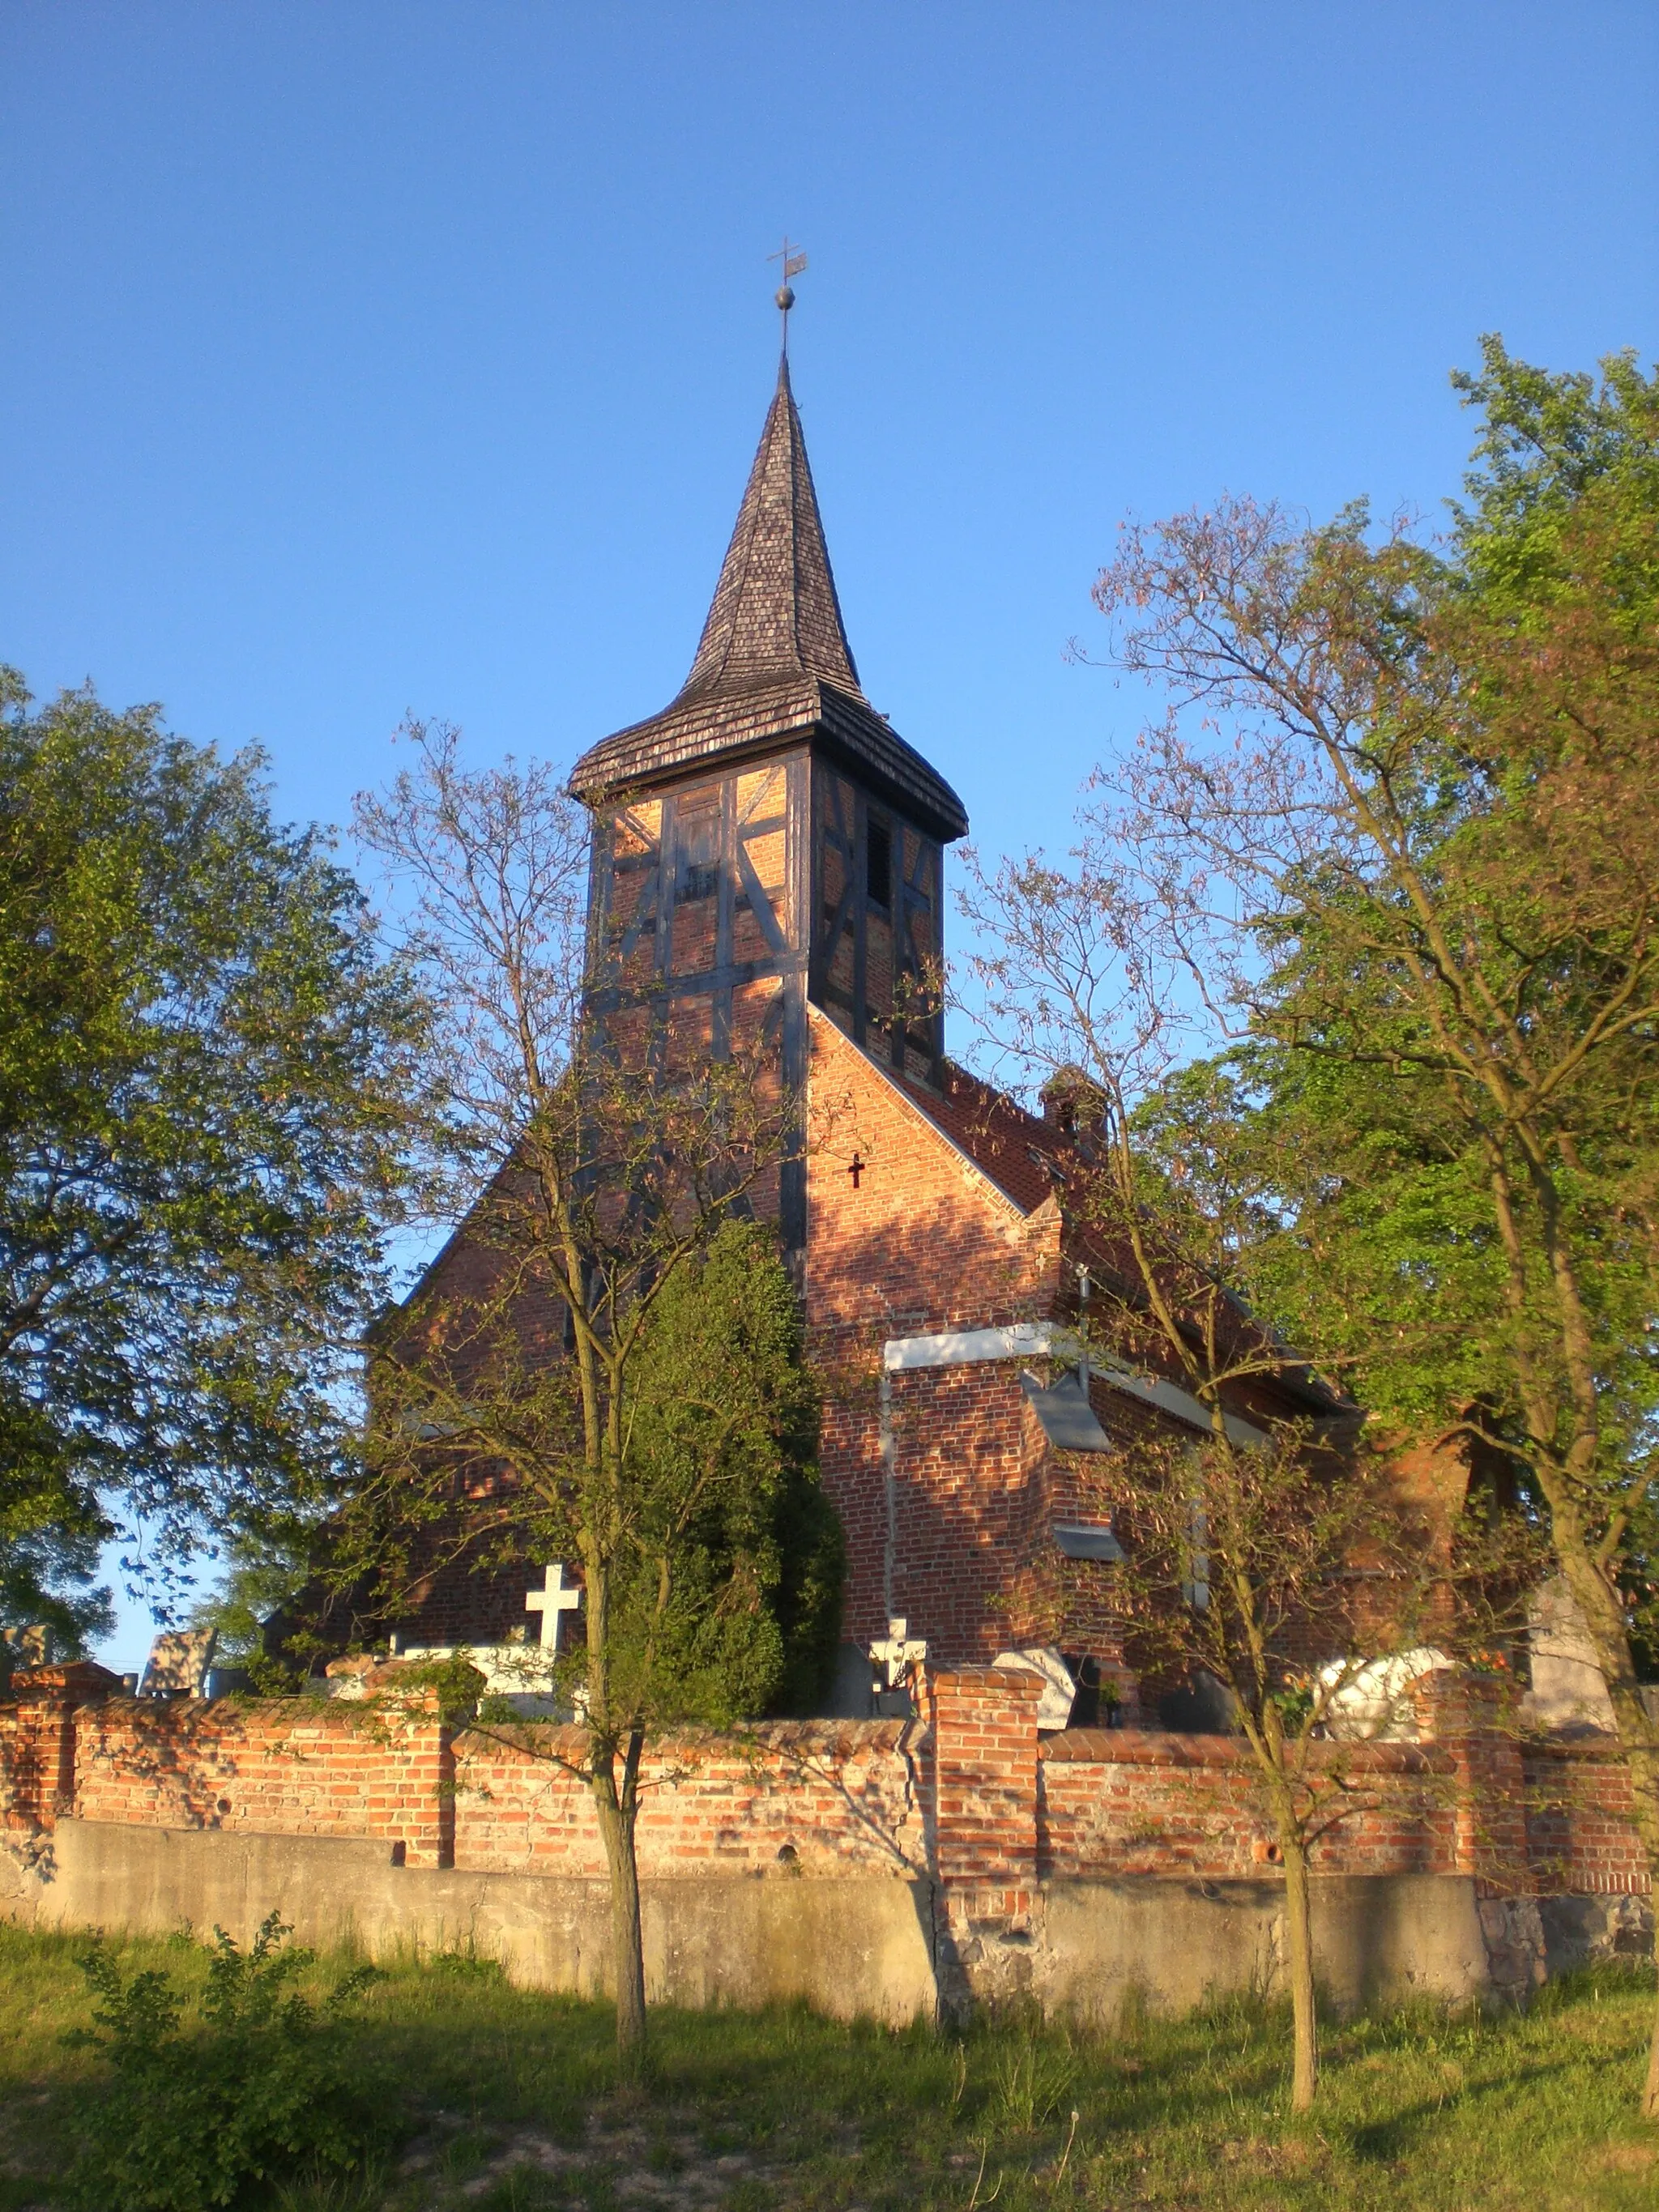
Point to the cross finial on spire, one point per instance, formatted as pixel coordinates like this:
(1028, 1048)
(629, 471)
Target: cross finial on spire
(793, 261)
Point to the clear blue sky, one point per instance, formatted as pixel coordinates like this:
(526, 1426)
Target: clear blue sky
(369, 358)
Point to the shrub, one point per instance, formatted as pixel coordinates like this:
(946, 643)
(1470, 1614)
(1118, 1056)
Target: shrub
(251, 2090)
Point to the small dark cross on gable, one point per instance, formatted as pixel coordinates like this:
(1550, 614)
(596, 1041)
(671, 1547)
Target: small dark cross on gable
(856, 1169)
(793, 261)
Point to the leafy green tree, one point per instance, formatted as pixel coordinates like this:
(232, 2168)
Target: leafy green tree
(206, 1084)
(48, 1577)
(264, 1572)
(725, 1442)
(1400, 823)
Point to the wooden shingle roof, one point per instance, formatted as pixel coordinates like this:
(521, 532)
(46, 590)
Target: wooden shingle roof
(773, 662)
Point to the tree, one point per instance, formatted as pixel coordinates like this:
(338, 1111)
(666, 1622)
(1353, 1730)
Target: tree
(48, 1578)
(206, 1080)
(1242, 1548)
(617, 1368)
(1245, 1562)
(1399, 823)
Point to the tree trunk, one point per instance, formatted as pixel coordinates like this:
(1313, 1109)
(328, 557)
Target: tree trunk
(1599, 1609)
(617, 1823)
(1298, 1961)
(1645, 1793)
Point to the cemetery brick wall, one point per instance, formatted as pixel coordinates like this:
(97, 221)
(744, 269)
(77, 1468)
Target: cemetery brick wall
(969, 1791)
(1580, 1839)
(825, 1797)
(1114, 1803)
(279, 1766)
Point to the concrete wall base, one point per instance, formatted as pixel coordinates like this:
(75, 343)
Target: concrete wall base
(1114, 1947)
(1092, 1950)
(861, 1945)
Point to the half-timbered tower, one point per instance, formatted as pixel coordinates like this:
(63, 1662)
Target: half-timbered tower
(768, 841)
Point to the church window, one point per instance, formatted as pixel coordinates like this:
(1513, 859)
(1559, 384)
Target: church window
(878, 862)
(698, 876)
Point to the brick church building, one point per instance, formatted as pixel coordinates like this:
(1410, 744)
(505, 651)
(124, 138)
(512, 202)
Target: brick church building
(769, 855)
(768, 861)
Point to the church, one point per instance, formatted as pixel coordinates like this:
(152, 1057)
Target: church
(768, 857)
(988, 1803)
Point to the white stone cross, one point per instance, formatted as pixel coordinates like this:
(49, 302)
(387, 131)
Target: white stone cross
(897, 1652)
(550, 1603)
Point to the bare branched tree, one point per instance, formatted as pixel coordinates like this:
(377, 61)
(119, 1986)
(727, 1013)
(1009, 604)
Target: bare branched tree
(594, 1164)
(1397, 828)
(1242, 1547)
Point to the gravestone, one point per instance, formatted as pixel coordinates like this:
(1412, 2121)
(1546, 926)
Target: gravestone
(177, 1663)
(897, 1653)
(1377, 1702)
(1567, 1686)
(1059, 1683)
(519, 1674)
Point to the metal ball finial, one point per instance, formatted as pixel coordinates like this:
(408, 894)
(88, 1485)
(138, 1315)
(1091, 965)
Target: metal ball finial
(786, 297)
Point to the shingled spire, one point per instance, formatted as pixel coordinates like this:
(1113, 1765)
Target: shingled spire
(774, 668)
(776, 614)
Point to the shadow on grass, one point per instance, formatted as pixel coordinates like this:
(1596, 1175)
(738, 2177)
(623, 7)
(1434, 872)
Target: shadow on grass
(1403, 2132)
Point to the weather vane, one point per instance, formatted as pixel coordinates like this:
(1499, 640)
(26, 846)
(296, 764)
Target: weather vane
(793, 262)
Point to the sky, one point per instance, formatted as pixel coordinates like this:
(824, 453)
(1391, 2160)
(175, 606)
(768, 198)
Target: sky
(364, 359)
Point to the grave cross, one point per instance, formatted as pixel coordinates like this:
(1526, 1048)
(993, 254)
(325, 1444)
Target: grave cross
(550, 1603)
(897, 1652)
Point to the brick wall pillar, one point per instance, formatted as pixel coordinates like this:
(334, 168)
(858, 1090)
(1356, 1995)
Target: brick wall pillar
(37, 1763)
(981, 1756)
(37, 1741)
(425, 1809)
(414, 1805)
(1468, 1715)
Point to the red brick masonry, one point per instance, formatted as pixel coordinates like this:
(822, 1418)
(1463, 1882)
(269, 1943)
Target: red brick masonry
(968, 1792)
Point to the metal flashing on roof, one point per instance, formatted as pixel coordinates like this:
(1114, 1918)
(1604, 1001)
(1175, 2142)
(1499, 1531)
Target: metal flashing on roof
(1021, 1339)
(1087, 1539)
(1068, 1418)
(1171, 1398)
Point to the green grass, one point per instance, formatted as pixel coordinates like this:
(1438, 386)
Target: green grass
(505, 2100)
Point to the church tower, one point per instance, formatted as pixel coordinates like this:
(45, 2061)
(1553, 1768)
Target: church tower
(767, 839)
